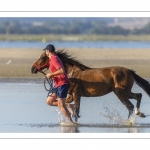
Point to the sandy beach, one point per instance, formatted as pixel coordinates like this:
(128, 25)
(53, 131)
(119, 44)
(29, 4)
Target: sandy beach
(16, 63)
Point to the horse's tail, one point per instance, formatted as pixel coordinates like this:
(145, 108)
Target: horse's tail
(141, 82)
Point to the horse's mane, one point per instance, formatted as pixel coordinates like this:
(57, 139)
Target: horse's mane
(67, 58)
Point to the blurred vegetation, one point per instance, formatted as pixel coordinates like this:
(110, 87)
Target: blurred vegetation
(57, 27)
(67, 27)
(69, 30)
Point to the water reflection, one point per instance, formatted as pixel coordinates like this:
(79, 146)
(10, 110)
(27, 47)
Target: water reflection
(133, 130)
(69, 129)
(95, 128)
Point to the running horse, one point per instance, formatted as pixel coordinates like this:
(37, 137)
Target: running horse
(93, 82)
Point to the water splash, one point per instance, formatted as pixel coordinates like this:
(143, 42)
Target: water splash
(131, 121)
(116, 118)
(61, 117)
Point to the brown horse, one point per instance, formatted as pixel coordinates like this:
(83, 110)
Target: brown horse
(92, 82)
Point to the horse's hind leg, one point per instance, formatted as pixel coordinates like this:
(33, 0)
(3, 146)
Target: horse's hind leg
(124, 98)
(128, 105)
(138, 97)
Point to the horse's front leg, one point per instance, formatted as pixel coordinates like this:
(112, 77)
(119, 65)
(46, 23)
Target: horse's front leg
(70, 99)
(75, 96)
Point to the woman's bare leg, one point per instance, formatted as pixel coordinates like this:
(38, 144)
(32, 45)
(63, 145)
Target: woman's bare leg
(72, 108)
(63, 108)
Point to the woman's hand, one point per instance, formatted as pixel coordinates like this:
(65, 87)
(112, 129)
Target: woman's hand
(49, 75)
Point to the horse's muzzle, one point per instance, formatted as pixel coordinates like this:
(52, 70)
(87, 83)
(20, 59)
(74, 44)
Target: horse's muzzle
(34, 70)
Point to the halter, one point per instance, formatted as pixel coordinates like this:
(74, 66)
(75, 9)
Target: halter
(39, 68)
(50, 81)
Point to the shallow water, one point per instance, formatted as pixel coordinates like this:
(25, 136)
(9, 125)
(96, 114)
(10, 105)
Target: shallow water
(23, 110)
(76, 44)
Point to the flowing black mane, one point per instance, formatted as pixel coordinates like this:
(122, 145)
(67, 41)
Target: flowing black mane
(66, 58)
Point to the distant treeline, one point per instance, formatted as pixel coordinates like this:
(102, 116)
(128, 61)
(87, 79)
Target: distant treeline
(74, 27)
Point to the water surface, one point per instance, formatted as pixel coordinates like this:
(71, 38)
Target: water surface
(23, 110)
(76, 44)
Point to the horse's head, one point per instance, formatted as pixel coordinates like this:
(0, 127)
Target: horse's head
(40, 64)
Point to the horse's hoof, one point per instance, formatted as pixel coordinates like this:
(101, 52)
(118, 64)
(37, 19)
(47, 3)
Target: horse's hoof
(142, 115)
(130, 113)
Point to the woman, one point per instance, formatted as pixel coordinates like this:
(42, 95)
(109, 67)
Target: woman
(61, 83)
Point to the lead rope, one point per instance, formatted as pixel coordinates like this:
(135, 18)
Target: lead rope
(49, 81)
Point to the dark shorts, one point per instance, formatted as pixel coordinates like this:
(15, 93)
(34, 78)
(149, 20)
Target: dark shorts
(61, 91)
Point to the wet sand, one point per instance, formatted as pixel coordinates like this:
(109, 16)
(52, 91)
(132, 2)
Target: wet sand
(16, 63)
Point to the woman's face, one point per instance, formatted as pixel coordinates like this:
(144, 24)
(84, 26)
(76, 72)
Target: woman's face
(47, 52)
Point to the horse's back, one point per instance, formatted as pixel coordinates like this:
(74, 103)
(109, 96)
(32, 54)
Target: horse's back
(107, 73)
(110, 77)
